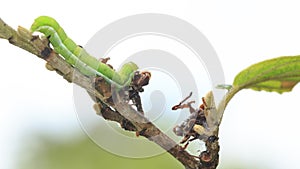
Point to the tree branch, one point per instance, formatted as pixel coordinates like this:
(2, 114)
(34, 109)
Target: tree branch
(128, 118)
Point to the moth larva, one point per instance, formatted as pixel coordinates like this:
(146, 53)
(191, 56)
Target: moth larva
(78, 57)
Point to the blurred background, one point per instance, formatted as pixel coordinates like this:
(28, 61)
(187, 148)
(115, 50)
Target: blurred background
(38, 121)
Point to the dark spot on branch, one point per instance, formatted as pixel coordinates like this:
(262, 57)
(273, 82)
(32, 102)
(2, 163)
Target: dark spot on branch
(80, 46)
(212, 139)
(141, 133)
(10, 40)
(46, 53)
(34, 38)
(127, 125)
(206, 159)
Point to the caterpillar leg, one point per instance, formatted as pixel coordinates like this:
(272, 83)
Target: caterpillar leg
(104, 60)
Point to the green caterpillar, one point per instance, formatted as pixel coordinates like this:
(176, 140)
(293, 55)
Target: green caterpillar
(78, 57)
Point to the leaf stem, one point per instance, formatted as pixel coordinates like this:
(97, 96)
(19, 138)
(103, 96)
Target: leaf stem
(224, 102)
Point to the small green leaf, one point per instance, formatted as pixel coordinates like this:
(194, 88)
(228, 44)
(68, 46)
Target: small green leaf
(279, 74)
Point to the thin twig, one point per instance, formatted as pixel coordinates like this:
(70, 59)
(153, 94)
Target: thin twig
(128, 117)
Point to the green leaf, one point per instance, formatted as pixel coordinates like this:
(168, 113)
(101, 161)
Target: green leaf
(279, 74)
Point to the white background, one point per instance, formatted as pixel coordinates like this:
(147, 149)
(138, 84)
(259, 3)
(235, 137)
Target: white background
(258, 128)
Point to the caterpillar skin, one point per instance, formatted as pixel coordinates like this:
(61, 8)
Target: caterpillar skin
(78, 57)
